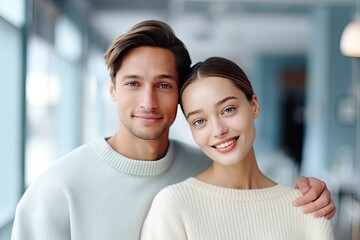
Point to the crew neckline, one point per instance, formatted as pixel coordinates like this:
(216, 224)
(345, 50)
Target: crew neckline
(240, 194)
(133, 166)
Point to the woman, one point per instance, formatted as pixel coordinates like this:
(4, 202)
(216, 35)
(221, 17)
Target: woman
(232, 199)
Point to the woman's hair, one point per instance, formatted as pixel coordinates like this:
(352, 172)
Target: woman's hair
(150, 33)
(220, 67)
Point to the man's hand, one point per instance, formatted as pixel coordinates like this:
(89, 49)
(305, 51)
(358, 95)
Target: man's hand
(316, 197)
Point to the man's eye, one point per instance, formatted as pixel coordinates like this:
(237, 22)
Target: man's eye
(132, 84)
(165, 85)
(198, 122)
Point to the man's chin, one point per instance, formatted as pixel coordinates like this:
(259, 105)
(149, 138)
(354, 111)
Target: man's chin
(146, 135)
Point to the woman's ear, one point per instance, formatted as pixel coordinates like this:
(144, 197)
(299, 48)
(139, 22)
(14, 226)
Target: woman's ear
(112, 91)
(255, 106)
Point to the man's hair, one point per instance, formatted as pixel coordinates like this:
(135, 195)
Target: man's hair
(150, 33)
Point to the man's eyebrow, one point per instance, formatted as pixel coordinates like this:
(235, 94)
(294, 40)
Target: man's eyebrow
(217, 104)
(166, 76)
(130, 76)
(160, 76)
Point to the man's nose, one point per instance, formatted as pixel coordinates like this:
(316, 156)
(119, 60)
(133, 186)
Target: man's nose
(148, 99)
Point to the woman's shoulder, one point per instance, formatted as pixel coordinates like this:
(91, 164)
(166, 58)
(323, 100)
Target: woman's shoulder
(175, 194)
(289, 191)
(175, 190)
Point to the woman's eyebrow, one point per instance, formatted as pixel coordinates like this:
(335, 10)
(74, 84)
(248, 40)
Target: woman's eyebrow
(225, 100)
(192, 113)
(216, 104)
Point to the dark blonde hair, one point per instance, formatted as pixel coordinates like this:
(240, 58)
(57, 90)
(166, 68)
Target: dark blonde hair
(220, 67)
(150, 33)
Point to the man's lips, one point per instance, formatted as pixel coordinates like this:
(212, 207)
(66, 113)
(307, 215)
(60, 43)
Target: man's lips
(148, 118)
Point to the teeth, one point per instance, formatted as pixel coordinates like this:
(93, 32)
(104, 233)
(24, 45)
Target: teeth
(225, 144)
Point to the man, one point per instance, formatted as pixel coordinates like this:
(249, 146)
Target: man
(103, 190)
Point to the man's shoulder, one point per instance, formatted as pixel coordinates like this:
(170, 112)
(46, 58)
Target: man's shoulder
(187, 149)
(59, 175)
(79, 151)
(65, 166)
(190, 159)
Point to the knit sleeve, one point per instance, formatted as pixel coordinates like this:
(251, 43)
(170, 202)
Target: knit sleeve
(308, 226)
(319, 229)
(164, 220)
(42, 214)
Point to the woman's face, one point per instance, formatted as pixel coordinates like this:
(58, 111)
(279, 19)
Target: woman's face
(221, 119)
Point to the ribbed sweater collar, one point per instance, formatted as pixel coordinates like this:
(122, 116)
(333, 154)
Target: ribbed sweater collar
(133, 166)
(240, 194)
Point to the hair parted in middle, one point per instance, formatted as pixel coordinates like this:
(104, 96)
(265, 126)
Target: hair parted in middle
(220, 67)
(150, 33)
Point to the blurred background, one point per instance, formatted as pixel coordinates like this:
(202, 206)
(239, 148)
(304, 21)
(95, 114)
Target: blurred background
(54, 84)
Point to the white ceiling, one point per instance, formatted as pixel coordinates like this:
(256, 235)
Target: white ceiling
(230, 28)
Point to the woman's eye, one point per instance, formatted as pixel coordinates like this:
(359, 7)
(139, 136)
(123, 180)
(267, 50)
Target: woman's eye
(198, 122)
(229, 110)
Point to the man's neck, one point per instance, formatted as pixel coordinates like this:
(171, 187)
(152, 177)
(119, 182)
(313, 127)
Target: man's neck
(136, 148)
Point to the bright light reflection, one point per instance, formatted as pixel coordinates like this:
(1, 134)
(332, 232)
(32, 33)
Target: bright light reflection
(42, 90)
(13, 11)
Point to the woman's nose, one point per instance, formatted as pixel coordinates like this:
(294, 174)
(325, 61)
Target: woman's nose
(219, 129)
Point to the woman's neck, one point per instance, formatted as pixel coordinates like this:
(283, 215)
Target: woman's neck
(245, 175)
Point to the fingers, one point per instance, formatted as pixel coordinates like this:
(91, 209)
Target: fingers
(311, 202)
(317, 196)
(321, 207)
(302, 183)
(319, 203)
(331, 214)
(326, 210)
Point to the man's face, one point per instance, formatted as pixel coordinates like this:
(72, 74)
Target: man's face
(146, 93)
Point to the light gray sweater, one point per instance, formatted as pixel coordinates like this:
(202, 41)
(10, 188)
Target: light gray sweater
(96, 193)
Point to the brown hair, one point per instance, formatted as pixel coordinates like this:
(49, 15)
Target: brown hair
(220, 67)
(150, 33)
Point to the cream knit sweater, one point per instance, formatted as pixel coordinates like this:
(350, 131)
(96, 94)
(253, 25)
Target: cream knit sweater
(199, 211)
(96, 193)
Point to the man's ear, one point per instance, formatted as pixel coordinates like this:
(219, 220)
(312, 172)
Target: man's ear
(112, 91)
(255, 106)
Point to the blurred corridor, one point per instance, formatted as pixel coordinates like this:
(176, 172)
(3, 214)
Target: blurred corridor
(54, 85)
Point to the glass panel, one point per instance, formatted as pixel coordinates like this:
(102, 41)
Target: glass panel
(42, 95)
(54, 98)
(10, 120)
(13, 11)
